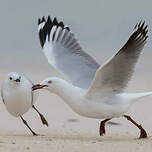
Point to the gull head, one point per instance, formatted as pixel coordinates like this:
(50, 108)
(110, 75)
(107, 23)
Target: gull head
(50, 84)
(14, 79)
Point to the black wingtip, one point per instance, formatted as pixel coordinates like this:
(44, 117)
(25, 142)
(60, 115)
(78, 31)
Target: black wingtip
(43, 19)
(46, 29)
(146, 37)
(140, 34)
(136, 26)
(145, 27)
(67, 28)
(142, 24)
(39, 21)
(61, 24)
(55, 22)
(49, 19)
(139, 23)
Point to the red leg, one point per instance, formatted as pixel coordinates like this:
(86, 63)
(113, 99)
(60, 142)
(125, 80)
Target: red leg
(24, 121)
(44, 121)
(143, 133)
(102, 127)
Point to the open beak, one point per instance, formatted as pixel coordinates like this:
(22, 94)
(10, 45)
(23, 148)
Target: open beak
(38, 86)
(17, 80)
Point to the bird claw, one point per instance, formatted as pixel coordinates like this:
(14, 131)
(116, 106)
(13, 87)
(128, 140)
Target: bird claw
(143, 134)
(44, 121)
(102, 130)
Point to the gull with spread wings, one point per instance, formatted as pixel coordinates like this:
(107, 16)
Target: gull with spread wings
(93, 91)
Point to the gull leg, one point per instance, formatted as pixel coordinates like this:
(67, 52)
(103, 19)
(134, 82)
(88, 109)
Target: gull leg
(24, 121)
(143, 133)
(102, 130)
(44, 121)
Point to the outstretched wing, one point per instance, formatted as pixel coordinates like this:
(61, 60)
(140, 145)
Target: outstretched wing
(64, 53)
(114, 75)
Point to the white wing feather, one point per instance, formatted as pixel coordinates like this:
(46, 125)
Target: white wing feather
(64, 53)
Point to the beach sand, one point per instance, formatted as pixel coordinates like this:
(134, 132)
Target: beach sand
(68, 131)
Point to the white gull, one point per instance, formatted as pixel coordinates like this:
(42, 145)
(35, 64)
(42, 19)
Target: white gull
(94, 91)
(18, 97)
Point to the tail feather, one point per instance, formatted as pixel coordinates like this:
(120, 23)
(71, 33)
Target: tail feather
(137, 96)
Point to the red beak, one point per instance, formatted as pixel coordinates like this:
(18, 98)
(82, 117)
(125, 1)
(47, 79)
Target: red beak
(38, 86)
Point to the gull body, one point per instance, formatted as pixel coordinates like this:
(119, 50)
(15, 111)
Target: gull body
(93, 90)
(92, 106)
(18, 97)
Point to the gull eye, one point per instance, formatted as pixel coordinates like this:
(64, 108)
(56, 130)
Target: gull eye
(10, 78)
(49, 81)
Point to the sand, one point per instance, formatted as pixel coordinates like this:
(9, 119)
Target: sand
(64, 142)
(69, 132)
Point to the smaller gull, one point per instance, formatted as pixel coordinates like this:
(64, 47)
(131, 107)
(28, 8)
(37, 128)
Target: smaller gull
(18, 97)
(94, 91)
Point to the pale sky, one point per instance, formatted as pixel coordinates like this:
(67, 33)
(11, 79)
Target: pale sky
(99, 25)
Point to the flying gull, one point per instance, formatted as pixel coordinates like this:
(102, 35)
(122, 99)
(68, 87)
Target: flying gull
(93, 91)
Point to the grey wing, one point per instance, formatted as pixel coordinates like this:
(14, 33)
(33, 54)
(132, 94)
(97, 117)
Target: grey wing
(115, 74)
(29, 81)
(2, 93)
(64, 53)
(34, 94)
